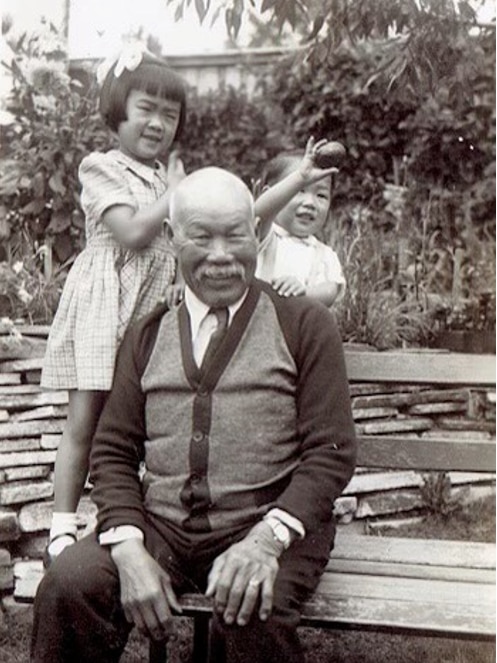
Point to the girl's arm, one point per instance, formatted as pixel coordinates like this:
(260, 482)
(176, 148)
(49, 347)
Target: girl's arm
(271, 201)
(135, 229)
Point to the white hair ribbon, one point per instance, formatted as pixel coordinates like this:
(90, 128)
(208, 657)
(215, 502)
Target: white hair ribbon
(129, 58)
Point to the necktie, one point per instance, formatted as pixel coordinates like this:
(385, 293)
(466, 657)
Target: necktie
(217, 335)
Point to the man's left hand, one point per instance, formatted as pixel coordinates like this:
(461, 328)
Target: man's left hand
(243, 573)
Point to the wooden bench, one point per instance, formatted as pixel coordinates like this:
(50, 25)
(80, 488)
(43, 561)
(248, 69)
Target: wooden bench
(400, 585)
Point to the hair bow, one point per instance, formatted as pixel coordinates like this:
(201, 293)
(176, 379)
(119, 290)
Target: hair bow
(129, 58)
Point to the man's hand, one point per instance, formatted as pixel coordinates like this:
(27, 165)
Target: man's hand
(243, 573)
(147, 595)
(288, 286)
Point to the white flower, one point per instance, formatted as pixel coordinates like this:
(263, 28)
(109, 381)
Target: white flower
(24, 295)
(129, 58)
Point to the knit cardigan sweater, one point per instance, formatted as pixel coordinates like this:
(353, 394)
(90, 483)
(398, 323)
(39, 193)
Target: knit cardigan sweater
(267, 423)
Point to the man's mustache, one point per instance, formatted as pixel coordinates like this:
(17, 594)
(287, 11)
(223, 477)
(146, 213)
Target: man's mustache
(225, 272)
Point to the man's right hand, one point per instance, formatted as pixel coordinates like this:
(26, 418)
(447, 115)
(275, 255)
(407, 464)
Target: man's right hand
(147, 596)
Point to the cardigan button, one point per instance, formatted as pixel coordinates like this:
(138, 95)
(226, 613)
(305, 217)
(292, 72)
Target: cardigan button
(203, 392)
(197, 436)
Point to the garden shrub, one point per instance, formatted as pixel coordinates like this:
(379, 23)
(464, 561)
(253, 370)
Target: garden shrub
(55, 124)
(226, 128)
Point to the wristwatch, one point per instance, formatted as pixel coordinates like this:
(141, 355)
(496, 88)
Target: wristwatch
(281, 532)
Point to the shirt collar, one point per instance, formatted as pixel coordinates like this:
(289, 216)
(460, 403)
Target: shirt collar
(198, 310)
(147, 173)
(310, 240)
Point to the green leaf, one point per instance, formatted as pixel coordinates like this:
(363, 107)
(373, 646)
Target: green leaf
(59, 221)
(202, 8)
(39, 184)
(55, 183)
(268, 4)
(178, 14)
(216, 14)
(33, 208)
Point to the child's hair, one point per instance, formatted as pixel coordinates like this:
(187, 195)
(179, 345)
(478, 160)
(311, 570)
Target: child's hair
(277, 167)
(152, 76)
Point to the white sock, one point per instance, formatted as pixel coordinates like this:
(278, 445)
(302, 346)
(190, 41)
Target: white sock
(63, 523)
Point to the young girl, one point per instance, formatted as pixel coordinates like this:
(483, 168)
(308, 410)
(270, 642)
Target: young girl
(127, 264)
(290, 257)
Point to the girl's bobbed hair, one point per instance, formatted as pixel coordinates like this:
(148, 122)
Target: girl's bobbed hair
(153, 76)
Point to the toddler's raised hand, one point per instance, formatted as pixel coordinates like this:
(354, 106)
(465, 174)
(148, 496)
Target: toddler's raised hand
(288, 286)
(315, 157)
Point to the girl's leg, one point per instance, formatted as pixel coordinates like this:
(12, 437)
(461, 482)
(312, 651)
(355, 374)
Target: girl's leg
(71, 464)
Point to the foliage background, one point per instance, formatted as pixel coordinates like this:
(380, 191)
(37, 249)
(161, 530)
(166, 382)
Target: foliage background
(413, 211)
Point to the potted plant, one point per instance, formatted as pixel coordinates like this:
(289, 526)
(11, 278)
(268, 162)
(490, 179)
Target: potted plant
(467, 325)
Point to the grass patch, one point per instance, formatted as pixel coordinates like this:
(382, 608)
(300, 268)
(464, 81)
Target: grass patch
(466, 522)
(321, 646)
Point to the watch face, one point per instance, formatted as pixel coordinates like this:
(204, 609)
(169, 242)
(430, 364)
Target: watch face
(281, 533)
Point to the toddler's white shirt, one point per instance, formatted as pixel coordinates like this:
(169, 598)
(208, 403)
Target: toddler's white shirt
(307, 259)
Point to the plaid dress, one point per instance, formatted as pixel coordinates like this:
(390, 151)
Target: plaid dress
(108, 286)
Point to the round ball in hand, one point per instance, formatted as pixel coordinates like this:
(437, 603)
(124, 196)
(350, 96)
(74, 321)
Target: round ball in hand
(330, 155)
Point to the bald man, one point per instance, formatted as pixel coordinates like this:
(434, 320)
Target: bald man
(225, 440)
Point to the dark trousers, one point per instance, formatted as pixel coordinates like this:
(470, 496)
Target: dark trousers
(78, 616)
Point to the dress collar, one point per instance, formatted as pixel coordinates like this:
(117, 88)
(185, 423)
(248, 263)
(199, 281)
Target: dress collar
(147, 173)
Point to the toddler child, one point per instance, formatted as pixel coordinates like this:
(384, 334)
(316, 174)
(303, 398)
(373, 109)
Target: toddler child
(290, 257)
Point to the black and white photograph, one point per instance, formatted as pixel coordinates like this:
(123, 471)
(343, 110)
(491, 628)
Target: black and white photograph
(247, 331)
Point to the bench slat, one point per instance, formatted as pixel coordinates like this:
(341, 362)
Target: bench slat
(456, 620)
(426, 454)
(361, 567)
(430, 552)
(420, 367)
(415, 590)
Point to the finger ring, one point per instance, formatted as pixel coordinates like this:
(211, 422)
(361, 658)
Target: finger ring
(253, 583)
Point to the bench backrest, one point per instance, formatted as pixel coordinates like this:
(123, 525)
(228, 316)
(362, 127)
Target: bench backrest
(403, 451)
(421, 367)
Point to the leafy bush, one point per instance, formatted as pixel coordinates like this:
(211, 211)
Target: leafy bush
(373, 310)
(226, 128)
(54, 126)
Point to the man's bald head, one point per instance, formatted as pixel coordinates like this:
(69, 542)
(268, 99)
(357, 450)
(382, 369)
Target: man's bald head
(207, 189)
(212, 220)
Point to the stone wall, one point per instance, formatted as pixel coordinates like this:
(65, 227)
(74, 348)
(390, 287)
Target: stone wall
(32, 420)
